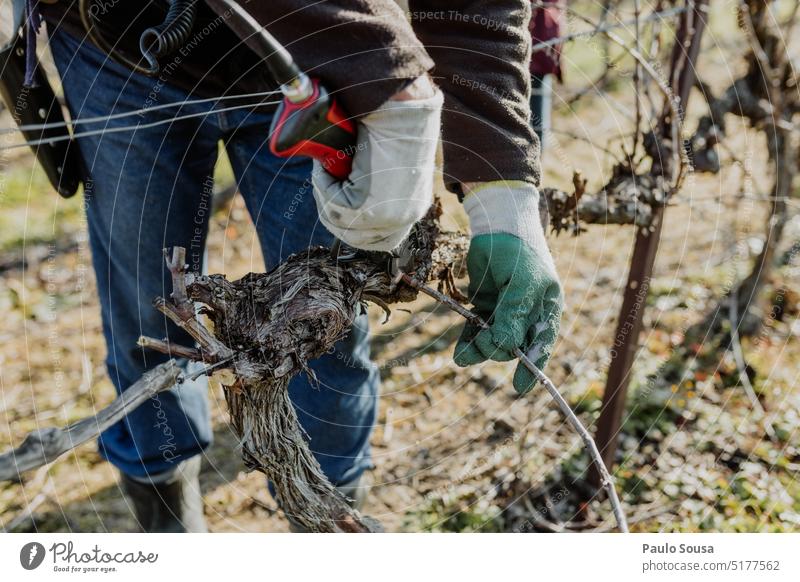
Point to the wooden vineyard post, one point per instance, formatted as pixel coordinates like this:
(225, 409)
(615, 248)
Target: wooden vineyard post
(631, 315)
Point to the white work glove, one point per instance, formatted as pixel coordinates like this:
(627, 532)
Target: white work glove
(513, 284)
(391, 184)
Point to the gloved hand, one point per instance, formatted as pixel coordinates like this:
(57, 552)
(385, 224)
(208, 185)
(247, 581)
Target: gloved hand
(513, 282)
(391, 184)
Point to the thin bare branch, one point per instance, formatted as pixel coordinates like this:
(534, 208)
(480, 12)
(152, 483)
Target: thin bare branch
(172, 350)
(588, 441)
(45, 445)
(744, 378)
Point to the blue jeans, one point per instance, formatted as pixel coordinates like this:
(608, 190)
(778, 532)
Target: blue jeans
(149, 189)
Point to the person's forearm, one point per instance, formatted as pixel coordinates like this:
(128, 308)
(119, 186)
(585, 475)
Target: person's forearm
(362, 50)
(481, 52)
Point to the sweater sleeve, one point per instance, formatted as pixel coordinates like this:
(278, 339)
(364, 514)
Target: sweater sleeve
(364, 51)
(481, 50)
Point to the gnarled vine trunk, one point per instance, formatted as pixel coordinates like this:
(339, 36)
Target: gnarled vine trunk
(266, 327)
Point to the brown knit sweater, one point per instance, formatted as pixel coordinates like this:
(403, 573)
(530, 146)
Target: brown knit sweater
(477, 50)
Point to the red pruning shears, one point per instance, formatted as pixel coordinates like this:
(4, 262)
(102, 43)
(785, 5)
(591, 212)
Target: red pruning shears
(308, 121)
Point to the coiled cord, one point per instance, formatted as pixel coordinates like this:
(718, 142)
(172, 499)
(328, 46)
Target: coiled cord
(154, 42)
(168, 36)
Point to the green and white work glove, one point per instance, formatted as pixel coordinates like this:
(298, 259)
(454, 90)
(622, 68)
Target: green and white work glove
(513, 282)
(391, 184)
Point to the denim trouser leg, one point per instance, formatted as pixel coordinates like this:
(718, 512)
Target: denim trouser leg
(337, 414)
(149, 189)
(145, 190)
(541, 105)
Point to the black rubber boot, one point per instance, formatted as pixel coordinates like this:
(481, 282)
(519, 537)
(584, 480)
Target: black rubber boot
(172, 506)
(356, 491)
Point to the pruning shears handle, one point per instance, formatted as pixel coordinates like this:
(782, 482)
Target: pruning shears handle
(316, 127)
(308, 121)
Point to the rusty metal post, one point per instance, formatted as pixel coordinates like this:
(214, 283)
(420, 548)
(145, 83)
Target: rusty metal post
(631, 315)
